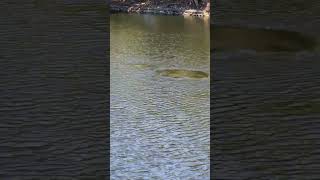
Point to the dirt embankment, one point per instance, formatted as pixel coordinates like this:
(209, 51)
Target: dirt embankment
(168, 7)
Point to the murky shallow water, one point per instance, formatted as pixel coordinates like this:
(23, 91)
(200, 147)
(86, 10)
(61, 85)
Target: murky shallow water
(159, 121)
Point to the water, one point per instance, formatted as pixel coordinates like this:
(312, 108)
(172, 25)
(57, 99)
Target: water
(159, 97)
(266, 104)
(261, 40)
(53, 89)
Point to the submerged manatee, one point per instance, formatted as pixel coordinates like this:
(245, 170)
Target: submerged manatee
(181, 73)
(141, 66)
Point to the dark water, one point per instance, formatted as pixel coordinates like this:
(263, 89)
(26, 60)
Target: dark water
(159, 97)
(262, 40)
(266, 104)
(53, 90)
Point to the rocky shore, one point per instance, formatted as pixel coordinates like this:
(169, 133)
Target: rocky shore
(169, 8)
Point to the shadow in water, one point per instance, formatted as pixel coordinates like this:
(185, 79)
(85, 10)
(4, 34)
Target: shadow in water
(263, 40)
(303, 107)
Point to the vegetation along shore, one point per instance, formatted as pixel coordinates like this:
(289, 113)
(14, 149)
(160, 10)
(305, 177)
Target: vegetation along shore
(199, 8)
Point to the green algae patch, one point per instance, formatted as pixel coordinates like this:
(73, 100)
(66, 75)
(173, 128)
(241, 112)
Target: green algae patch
(183, 73)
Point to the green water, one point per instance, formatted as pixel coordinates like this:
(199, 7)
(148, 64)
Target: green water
(159, 97)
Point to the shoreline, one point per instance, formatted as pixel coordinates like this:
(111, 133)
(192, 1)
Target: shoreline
(158, 10)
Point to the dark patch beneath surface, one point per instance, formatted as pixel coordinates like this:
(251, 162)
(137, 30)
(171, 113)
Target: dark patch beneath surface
(230, 38)
(303, 107)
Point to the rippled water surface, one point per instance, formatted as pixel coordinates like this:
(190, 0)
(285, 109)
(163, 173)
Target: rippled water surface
(261, 40)
(266, 105)
(159, 97)
(53, 89)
